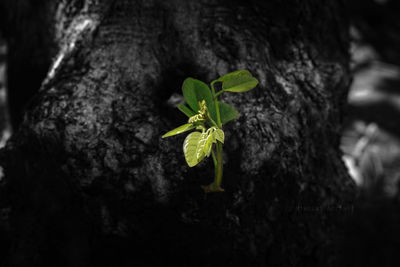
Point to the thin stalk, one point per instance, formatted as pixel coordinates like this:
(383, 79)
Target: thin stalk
(218, 179)
(215, 186)
(216, 105)
(213, 123)
(214, 158)
(220, 92)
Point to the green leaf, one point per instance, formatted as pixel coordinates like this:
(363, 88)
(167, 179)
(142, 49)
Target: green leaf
(239, 84)
(179, 130)
(205, 144)
(201, 146)
(190, 147)
(231, 75)
(219, 135)
(197, 146)
(226, 111)
(186, 110)
(195, 91)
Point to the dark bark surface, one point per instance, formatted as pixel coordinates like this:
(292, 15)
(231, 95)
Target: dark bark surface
(89, 181)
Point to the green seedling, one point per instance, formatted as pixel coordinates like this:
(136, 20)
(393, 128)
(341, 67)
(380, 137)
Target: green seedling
(207, 115)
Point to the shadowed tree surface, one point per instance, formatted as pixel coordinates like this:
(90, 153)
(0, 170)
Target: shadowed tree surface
(89, 181)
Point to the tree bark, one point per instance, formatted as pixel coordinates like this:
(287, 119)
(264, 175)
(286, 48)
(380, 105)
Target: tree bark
(89, 181)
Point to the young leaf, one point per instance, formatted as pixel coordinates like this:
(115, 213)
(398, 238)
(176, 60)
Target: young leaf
(195, 91)
(205, 144)
(186, 110)
(219, 135)
(181, 129)
(239, 84)
(229, 76)
(190, 147)
(210, 141)
(200, 146)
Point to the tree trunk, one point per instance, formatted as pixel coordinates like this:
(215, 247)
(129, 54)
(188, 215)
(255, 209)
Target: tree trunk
(89, 181)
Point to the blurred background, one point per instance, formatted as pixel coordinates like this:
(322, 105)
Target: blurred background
(371, 132)
(5, 127)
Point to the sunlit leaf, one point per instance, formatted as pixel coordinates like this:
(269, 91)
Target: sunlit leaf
(239, 84)
(186, 110)
(219, 135)
(195, 91)
(231, 75)
(210, 141)
(201, 146)
(179, 130)
(207, 139)
(190, 147)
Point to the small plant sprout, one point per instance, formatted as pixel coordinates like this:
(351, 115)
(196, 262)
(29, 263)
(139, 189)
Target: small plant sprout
(207, 115)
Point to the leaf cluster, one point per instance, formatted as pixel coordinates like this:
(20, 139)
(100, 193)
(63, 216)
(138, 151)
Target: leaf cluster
(207, 114)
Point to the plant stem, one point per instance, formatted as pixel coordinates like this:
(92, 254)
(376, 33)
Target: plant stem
(220, 92)
(220, 163)
(214, 158)
(215, 186)
(216, 105)
(213, 123)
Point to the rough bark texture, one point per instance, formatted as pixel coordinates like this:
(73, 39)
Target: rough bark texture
(91, 183)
